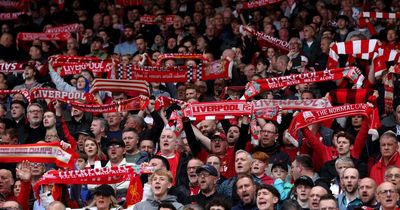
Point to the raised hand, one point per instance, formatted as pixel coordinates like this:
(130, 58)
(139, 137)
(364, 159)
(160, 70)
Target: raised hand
(24, 171)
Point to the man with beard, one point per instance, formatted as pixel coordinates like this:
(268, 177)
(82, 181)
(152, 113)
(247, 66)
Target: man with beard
(133, 154)
(246, 189)
(35, 130)
(315, 195)
(207, 181)
(233, 135)
(349, 179)
(129, 46)
(367, 192)
(387, 196)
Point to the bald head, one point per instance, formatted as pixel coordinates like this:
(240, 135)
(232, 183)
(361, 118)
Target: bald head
(6, 181)
(367, 190)
(387, 195)
(56, 205)
(11, 205)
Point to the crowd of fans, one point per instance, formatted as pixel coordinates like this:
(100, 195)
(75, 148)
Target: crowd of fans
(213, 164)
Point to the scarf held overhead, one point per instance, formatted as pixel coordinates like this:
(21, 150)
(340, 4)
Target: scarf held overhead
(266, 41)
(67, 28)
(255, 4)
(256, 87)
(306, 118)
(40, 153)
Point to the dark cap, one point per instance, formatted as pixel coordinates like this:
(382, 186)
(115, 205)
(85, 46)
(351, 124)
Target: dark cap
(209, 168)
(218, 135)
(344, 17)
(115, 142)
(98, 39)
(23, 104)
(304, 180)
(86, 132)
(284, 166)
(104, 190)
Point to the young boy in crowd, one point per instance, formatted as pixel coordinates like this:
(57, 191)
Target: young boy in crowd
(279, 172)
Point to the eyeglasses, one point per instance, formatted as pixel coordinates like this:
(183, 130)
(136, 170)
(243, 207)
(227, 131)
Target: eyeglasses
(389, 176)
(385, 192)
(267, 132)
(203, 174)
(115, 146)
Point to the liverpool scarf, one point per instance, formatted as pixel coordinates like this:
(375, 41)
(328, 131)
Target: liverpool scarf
(164, 101)
(71, 65)
(351, 96)
(256, 87)
(306, 104)
(306, 118)
(46, 93)
(11, 67)
(39, 152)
(10, 15)
(60, 36)
(67, 28)
(103, 175)
(266, 41)
(11, 4)
(116, 85)
(24, 92)
(388, 82)
(127, 3)
(137, 103)
(255, 4)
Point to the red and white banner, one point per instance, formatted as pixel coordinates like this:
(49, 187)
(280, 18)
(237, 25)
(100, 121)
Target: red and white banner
(61, 36)
(306, 104)
(306, 118)
(40, 153)
(153, 20)
(10, 15)
(67, 28)
(72, 68)
(174, 56)
(45, 93)
(118, 85)
(11, 4)
(265, 41)
(137, 103)
(380, 15)
(256, 87)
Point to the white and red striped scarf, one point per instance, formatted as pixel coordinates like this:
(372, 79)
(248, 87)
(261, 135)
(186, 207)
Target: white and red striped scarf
(266, 41)
(153, 19)
(306, 118)
(364, 21)
(255, 4)
(388, 83)
(67, 28)
(10, 15)
(364, 49)
(256, 87)
(118, 85)
(137, 103)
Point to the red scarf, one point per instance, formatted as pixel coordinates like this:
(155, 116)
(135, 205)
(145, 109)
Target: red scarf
(39, 152)
(256, 87)
(352, 96)
(213, 70)
(306, 118)
(10, 15)
(46, 93)
(61, 36)
(255, 4)
(266, 41)
(12, 67)
(388, 83)
(174, 56)
(75, 64)
(154, 20)
(306, 104)
(67, 28)
(164, 101)
(103, 175)
(137, 103)
(12, 4)
(116, 85)
(25, 93)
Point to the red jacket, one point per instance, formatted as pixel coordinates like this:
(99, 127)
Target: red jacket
(378, 170)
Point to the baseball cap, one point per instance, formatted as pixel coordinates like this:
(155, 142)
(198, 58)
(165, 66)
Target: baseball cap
(304, 180)
(115, 142)
(86, 132)
(218, 135)
(105, 190)
(209, 168)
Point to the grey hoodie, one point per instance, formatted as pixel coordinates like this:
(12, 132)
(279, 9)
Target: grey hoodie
(151, 204)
